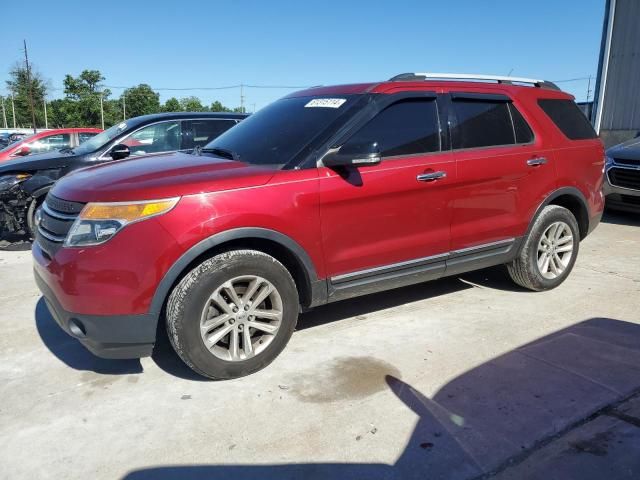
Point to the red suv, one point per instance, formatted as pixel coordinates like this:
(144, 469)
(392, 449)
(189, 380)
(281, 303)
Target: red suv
(326, 194)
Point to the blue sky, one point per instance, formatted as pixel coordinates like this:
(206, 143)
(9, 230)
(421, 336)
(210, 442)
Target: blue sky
(218, 43)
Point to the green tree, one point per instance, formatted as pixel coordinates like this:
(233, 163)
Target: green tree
(192, 104)
(83, 93)
(19, 87)
(172, 105)
(218, 107)
(141, 100)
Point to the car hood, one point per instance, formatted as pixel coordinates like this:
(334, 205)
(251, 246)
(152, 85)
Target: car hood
(629, 150)
(159, 176)
(35, 162)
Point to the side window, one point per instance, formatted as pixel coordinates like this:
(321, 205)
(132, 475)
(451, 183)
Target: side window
(568, 118)
(84, 136)
(520, 126)
(404, 128)
(481, 123)
(52, 142)
(206, 130)
(156, 138)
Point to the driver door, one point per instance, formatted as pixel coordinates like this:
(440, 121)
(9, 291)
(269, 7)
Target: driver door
(389, 219)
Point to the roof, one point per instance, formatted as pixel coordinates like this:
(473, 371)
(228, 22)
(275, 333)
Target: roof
(397, 85)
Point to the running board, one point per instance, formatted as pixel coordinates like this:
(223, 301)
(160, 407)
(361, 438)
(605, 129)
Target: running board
(419, 270)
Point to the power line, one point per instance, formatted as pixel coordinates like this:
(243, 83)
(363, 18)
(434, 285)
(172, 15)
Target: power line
(572, 79)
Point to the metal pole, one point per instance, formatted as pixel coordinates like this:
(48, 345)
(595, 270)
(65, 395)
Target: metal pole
(124, 105)
(101, 110)
(4, 114)
(33, 110)
(242, 98)
(46, 120)
(13, 110)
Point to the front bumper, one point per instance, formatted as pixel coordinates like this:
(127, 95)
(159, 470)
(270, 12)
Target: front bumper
(621, 198)
(113, 336)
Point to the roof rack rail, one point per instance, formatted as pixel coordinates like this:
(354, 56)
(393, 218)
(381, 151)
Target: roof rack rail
(473, 76)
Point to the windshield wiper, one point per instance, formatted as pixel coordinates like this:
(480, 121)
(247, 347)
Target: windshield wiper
(66, 150)
(222, 152)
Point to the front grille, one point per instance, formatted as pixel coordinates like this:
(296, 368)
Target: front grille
(630, 199)
(625, 178)
(626, 161)
(56, 218)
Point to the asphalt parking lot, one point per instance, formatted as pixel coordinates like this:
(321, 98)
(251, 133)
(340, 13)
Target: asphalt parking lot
(459, 378)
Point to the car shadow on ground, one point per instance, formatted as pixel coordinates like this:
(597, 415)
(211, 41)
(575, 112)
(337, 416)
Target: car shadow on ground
(485, 419)
(621, 218)
(69, 350)
(12, 242)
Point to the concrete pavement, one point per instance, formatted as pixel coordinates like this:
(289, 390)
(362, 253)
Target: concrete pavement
(454, 379)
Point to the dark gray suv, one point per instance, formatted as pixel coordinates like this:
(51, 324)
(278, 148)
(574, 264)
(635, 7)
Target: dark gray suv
(622, 176)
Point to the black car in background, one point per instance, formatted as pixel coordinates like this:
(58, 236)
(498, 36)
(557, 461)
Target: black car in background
(622, 176)
(24, 182)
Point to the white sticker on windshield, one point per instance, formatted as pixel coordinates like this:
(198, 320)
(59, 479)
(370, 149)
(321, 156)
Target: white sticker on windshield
(122, 126)
(326, 102)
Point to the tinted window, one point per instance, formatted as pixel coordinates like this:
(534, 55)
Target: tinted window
(206, 130)
(520, 126)
(404, 128)
(277, 133)
(568, 118)
(481, 124)
(84, 136)
(156, 138)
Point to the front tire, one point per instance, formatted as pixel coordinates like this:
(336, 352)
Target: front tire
(549, 251)
(233, 314)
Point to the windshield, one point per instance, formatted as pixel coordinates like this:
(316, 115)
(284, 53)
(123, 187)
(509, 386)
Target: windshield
(277, 133)
(101, 139)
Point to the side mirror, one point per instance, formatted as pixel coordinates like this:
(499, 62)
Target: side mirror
(119, 151)
(353, 155)
(23, 151)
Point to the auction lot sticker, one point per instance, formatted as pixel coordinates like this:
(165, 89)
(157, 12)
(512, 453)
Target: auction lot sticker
(326, 102)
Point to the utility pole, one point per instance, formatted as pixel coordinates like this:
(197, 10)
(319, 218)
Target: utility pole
(242, 98)
(4, 114)
(13, 110)
(46, 120)
(33, 110)
(102, 109)
(124, 105)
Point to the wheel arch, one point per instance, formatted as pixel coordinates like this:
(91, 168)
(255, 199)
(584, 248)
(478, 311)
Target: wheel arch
(573, 200)
(287, 251)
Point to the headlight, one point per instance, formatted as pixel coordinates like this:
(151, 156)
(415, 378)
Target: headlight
(9, 181)
(99, 222)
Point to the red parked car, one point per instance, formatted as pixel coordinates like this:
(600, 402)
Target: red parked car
(326, 194)
(48, 140)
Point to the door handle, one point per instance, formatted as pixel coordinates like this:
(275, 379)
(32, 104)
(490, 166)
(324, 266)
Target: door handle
(534, 162)
(430, 177)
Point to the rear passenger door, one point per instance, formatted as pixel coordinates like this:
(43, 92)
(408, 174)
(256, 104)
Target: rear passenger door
(197, 133)
(504, 170)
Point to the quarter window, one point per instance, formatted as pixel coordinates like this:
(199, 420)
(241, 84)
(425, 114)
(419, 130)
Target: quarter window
(481, 124)
(568, 118)
(404, 128)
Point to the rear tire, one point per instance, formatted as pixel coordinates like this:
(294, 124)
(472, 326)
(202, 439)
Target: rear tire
(233, 314)
(549, 251)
